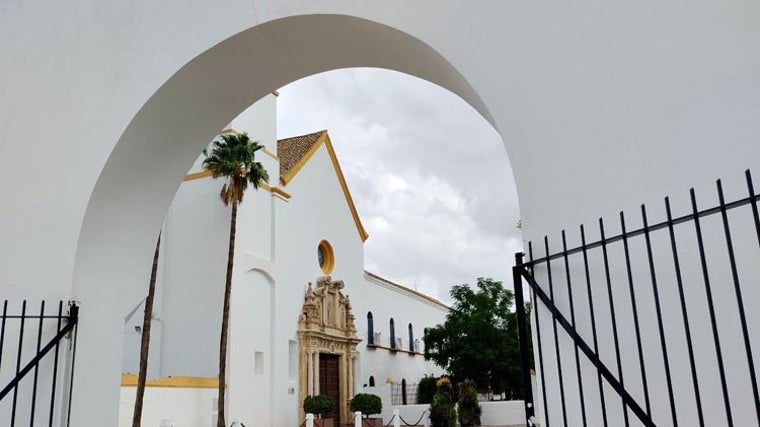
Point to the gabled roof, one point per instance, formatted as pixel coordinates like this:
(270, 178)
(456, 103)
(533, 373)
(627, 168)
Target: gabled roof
(296, 151)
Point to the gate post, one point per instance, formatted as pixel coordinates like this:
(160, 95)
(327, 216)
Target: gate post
(522, 336)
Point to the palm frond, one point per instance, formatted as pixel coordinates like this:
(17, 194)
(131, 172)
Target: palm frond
(233, 157)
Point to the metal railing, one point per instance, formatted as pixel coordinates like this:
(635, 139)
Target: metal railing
(625, 284)
(36, 383)
(403, 393)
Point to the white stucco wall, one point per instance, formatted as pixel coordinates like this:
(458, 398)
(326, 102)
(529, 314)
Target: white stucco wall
(276, 248)
(386, 301)
(184, 407)
(601, 105)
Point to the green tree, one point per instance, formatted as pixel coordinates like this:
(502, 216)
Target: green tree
(145, 339)
(426, 389)
(232, 157)
(318, 405)
(366, 403)
(478, 340)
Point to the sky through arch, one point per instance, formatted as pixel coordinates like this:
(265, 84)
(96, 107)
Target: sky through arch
(438, 213)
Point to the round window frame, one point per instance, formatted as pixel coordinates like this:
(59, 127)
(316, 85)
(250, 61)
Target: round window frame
(328, 256)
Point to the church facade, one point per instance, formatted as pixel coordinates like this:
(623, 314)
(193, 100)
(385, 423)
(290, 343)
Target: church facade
(306, 318)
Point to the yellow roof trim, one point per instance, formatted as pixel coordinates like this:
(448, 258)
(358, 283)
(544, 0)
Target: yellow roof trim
(177, 381)
(354, 213)
(285, 179)
(325, 139)
(197, 175)
(269, 153)
(274, 190)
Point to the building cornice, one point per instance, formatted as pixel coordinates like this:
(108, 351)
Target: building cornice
(403, 289)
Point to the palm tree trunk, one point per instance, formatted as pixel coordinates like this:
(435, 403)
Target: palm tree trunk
(145, 342)
(225, 319)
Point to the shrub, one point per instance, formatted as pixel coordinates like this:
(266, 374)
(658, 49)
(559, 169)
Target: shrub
(426, 389)
(469, 409)
(317, 405)
(442, 410)
(366, 403)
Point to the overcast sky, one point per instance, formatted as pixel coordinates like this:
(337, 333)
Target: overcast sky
(429, 176)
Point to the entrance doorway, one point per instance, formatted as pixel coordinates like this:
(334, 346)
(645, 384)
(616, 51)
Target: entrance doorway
(329, 383)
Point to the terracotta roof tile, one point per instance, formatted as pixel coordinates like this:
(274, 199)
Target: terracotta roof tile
(291, 150)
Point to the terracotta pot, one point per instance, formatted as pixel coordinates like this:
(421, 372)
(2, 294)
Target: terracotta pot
(323, 422)
(372, 422)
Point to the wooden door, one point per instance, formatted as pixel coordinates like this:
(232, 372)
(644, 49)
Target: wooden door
(329, 383)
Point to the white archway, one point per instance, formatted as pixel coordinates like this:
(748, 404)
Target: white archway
(607, 105)
(146, 167)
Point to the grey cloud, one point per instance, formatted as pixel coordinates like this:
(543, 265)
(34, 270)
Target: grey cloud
(429, 176)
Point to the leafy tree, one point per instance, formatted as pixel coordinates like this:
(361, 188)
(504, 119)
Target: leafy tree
(443, 413)
(469, 409)
(426, 389)
(366, 403)
(232, 157)
(318, 404)
(145, 339)
(478, 340)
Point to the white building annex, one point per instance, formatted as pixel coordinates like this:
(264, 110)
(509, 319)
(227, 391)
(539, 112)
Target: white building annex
(305, 316)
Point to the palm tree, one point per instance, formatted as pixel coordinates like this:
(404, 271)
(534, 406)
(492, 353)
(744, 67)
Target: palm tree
(145, 342)
(232, 157)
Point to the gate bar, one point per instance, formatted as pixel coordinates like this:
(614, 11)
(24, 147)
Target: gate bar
(593, 322)
(658, 309)
(628, 400)
(540, 348)
(560, 377)
(572, 318)
(635, 311)
(739, 299)
(522, 336)
(684, 313)
(711, 307)
(21, 373)
(613, 317)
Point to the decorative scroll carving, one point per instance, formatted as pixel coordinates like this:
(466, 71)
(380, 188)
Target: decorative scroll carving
(326, 325)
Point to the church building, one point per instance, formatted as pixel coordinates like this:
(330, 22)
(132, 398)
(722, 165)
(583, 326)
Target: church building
(305, 318)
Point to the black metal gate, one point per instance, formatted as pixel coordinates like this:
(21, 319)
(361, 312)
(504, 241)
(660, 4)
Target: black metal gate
(37, 365)
(649, 326)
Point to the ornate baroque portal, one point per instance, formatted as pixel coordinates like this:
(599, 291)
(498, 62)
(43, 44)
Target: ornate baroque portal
(326, 327)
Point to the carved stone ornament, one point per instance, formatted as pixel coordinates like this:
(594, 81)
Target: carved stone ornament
(326, 325)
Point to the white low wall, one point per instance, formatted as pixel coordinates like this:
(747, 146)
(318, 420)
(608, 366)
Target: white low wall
(506, 413)
(502, 414)
(184, 406)
(412, 413)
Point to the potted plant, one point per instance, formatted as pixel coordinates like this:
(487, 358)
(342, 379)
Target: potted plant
(469, 408)
(442, 410)
(318, 405)
(368, 404)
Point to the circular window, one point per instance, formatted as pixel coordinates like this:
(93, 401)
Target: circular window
(325, 257)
